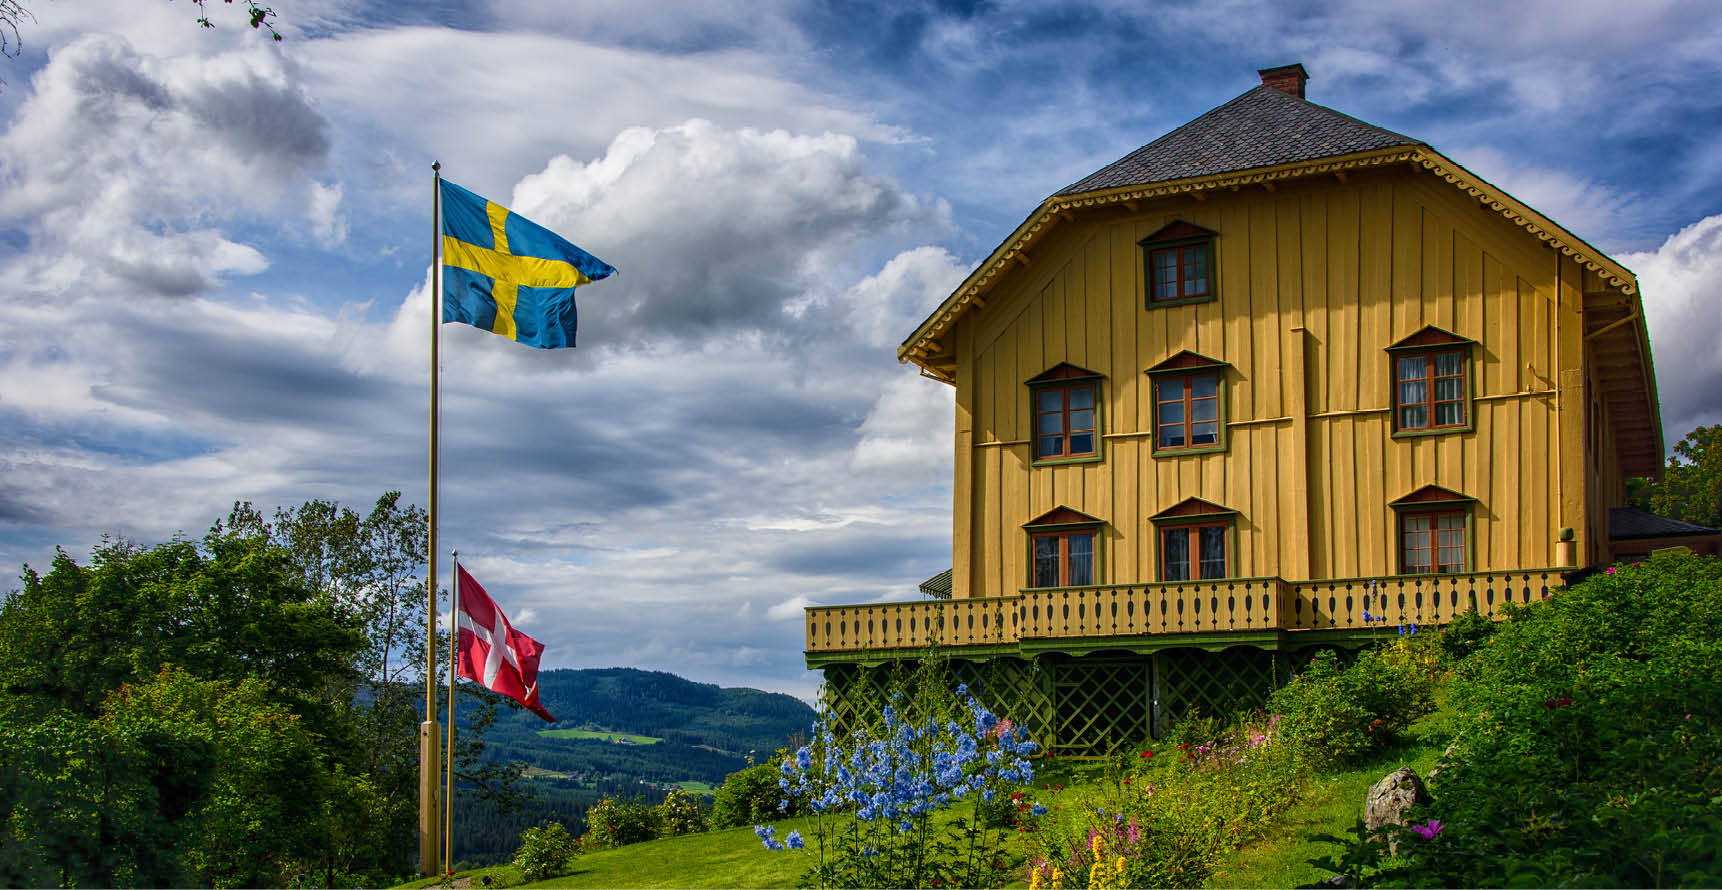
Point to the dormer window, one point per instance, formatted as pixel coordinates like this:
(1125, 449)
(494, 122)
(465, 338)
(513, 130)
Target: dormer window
(1065, 402)
(1431, 382)
(1179, 259)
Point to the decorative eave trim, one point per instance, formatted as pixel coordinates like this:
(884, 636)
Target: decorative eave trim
(919, 345)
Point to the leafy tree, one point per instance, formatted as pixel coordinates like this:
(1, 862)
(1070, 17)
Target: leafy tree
(233, 711)
(1691, 486)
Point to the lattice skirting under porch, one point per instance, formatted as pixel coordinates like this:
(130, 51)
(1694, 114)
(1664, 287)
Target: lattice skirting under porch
(1080, 706)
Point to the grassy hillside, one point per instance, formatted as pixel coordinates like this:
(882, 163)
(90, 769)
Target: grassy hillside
(682, 733)
(615, 738)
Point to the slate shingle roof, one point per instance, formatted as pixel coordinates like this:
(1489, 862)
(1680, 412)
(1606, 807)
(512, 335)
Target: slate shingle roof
(1626, 523)
(1260, 128)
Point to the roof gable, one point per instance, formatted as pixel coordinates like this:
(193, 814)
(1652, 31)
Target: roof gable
(1431, 494)
(1261, 128)
(1430, 335)
(1186, 360)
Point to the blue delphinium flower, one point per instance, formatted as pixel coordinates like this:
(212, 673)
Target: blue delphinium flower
(767, 837)
(794, 841)
(1037, 810)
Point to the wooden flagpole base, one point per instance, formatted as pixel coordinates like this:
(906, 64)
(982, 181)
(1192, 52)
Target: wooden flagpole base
(430, 822)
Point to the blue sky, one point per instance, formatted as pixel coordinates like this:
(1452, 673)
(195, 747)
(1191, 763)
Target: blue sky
(214, 248)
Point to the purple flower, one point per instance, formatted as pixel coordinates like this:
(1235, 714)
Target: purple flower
(1429, 829)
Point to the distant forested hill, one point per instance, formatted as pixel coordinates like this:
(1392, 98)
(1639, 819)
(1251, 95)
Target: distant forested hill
(706, 733)
(672, 708)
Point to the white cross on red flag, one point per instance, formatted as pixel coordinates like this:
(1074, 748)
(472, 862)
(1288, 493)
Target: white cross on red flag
(491, 651)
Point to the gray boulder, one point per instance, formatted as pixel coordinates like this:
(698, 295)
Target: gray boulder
(1389, 799)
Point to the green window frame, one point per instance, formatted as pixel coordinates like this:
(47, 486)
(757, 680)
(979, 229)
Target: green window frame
(1187, 405)
(1195, 541)
(1433, 532)
(1432, 382)
(1063, 550)
(1432, 542)
(1178, 263)
(1064, 416)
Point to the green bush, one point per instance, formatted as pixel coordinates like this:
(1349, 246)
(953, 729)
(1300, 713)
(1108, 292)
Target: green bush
(545, 851)
(1588, 747)
(751, 796)
(680, 813)
(1466, 635)
(616, 823)
(1337, 714)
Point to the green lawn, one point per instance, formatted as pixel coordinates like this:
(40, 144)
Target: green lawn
(732, 857)
(1331, 805)
(602, 736)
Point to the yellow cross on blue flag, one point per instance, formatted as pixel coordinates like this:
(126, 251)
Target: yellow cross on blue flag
(509, 275)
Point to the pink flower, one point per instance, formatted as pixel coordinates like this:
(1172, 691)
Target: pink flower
(1429, 829)
(1611, 570)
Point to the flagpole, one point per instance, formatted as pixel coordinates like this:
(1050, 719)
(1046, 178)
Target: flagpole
(430, 734)
(453, 653)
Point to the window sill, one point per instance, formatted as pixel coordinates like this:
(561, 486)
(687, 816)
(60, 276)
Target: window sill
(1438, 431)
(1186, 301)
(1061, 461)
(1180, 452)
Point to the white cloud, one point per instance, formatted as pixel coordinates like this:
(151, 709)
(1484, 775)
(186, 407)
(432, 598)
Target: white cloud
(327, 223)
(1681, 282)
(715, 229)
(118, 161)
(909, 430)
(790, 609)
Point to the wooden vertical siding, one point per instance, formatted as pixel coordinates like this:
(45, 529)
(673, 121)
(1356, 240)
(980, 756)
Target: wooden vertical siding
(1357, 266)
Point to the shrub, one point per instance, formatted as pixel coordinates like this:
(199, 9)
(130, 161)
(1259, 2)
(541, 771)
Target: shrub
(751, 796)
(1336, 714)
(615, 823)
(1466, 635)
(1589, 742)
(544, 851)
(680, 813)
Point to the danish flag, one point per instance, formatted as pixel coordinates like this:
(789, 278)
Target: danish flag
(491, 651)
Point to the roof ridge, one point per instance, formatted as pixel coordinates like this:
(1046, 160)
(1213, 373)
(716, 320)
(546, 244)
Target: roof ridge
(1260, 127)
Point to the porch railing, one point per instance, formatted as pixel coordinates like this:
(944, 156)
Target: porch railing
(1124, 610)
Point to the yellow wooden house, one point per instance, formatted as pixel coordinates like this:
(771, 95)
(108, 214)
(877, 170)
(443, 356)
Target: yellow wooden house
(1278, 379)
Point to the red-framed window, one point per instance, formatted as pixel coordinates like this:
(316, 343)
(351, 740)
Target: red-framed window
(1187, 411)
(1432, 541)
(1429, 390)
(1181, 272)
(1197, 551)
(1064, 420)
(1063, 558)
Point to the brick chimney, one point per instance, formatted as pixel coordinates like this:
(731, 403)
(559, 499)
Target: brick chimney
(1288, 79)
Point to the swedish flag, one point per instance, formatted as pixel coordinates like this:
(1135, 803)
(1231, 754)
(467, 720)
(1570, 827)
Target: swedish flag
(509, 275)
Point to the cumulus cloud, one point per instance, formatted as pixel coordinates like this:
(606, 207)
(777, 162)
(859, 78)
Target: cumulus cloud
(1681, 282)
(118, 161)
(715, 229)
(790, 609)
